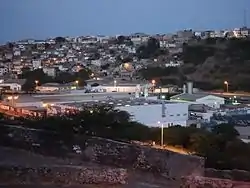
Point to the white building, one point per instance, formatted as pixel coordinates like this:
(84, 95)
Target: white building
(120, 89)
(198, 98)
(151, 114)
(36, 63)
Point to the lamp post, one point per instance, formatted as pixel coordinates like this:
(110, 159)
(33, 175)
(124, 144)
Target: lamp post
(162, 132)
(163, 115)
(153, 82)
(36, 81)
(226, 83)
(13, 99)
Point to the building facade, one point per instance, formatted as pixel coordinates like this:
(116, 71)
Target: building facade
(151, 115)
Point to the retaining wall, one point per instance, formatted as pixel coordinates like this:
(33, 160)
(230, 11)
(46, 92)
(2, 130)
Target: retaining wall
(203, 182)
(117, 154)
(63, 175)
(131, 156)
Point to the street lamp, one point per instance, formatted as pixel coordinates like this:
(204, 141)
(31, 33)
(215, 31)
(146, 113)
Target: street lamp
(36, 81)
(12, 99)
(153, 82)
(226, 83)
(162, 133)
(77, 83)
(115, 82)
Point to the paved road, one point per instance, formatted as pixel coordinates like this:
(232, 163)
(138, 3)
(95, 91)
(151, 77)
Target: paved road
(224, 94)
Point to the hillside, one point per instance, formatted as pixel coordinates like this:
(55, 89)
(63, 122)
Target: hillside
(210, 62)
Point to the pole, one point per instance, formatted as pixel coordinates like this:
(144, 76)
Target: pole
(162, 135)
(163, 115)
(227, 88)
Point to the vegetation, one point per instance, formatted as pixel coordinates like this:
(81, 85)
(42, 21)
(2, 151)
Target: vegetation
(213, 61)
(220, 146)
(150, 50)
(210, 62)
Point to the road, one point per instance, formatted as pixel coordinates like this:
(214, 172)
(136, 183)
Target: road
(79, 97)
(225, 94)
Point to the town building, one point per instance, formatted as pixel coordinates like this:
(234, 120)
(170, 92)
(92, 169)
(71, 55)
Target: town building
(198, 98)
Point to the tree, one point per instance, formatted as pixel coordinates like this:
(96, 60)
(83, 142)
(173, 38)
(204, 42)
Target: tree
(60, 40)
(25, 70)
(202, 143)
(149, 50)
(226, 130)
(29, 86)
(121, 39)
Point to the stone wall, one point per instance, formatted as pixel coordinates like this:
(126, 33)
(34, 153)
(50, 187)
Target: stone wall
(113, 153)
(202, 182)
(131, 156)
(236, 175)
(64, 175)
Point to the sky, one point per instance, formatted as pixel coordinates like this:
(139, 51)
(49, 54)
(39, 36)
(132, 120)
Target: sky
(39, 19)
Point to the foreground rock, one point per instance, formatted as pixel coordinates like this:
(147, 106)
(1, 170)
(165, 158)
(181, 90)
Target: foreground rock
(203, 182)
(236, 175)
(62, 175)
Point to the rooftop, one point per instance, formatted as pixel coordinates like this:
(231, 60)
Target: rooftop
(192, 97)
(120, 102)
(189, 97)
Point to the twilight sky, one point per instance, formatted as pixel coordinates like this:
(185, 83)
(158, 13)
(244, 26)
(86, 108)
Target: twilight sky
(48, 18)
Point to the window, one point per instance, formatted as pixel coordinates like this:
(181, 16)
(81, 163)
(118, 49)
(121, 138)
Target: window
(178, 114)
(184, 114)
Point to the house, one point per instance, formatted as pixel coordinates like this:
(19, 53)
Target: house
(17, 52)
(50, 71)
(3, 70)
(199, 98)
(36, 64)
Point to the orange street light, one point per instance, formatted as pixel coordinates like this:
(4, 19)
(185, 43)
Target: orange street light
(36, 81)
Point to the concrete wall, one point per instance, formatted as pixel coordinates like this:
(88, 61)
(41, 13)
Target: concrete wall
(61, 175)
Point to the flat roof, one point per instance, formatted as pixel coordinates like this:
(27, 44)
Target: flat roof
(121, 102)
